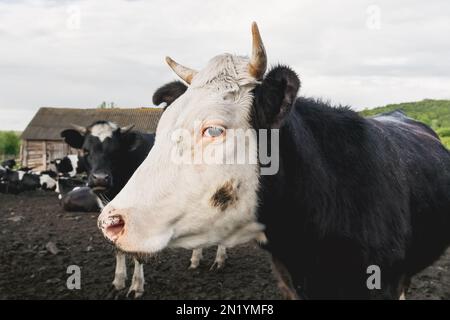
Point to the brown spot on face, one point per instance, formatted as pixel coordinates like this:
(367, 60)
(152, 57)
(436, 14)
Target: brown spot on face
(225, 196)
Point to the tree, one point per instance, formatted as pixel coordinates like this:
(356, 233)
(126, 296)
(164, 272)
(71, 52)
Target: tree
(105, 105)
(9, 143)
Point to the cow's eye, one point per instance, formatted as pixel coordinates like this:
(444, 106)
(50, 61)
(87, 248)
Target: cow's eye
(213, 132)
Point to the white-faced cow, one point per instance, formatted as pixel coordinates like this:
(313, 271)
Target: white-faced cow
(349, 193)
(166, 95)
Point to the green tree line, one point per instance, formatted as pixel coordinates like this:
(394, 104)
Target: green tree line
(435, 113)
(9, 144)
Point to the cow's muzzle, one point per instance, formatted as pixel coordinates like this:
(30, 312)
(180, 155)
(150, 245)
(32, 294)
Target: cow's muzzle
(112, 223)
(100, 181)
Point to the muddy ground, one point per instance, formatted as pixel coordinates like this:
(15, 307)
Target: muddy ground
(28, 270)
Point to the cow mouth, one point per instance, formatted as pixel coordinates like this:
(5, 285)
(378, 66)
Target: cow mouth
(113, 227)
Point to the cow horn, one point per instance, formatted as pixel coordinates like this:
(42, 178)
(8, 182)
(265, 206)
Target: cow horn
(258, 61)
(184, 73)
(127, 128)
(80, 129)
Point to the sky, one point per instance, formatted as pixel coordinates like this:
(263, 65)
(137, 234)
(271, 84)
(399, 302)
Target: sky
(350, 52)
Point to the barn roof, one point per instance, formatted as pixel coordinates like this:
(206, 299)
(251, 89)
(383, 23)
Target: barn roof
(48, 123)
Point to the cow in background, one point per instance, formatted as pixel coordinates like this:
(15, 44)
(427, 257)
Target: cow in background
(70, 165)
(10, 164)
(77, 199)
(18, 181)
(75, 196)
(111, 154)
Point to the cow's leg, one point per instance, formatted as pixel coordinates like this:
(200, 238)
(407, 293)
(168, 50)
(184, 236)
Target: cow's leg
(137, 283)
(284, 280)
(221, 255)
(404, 286)
(121, 271)
(197, 255)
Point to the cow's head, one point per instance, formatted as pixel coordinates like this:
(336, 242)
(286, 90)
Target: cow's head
(105, 146)
(175, 200)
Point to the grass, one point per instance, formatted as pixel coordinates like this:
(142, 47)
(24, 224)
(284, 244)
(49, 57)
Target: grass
(435, 113)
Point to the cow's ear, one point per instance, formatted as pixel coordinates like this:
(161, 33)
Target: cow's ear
(73, 138)
(275, 96)
(168, 93)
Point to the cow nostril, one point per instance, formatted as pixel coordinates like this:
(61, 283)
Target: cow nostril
(113, 227)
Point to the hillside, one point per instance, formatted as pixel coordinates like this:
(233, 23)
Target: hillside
(435, 113)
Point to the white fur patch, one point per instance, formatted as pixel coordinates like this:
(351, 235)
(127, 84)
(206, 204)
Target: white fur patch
(103, 130)
(74, 162)
(49, 181)
(21, 174)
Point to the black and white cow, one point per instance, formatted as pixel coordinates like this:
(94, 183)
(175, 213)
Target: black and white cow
(10, 163)
(111, 155)
(19, 180)
(70, 165)
(339, 195)
(75, 196)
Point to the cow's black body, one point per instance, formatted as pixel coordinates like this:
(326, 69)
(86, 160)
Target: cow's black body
(80, 199)
(353, 192)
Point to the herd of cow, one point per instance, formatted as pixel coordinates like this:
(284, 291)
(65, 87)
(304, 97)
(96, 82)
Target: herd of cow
(349, 193)
(68, 183)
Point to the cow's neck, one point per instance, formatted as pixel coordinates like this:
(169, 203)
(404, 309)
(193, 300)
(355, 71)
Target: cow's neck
(286, 201)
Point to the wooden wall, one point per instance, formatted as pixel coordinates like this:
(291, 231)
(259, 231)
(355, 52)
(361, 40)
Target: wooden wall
(37, 154)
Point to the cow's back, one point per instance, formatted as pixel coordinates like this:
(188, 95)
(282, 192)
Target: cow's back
(426, 165)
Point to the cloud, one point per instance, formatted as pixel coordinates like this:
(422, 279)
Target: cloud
(80, 53)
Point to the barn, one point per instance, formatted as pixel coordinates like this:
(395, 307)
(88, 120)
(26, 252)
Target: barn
(41, 141)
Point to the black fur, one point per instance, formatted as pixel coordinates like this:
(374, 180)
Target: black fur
(11, 163)
(168, 93)
(350, 192)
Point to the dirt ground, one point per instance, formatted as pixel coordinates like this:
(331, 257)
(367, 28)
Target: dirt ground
(28, 270)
